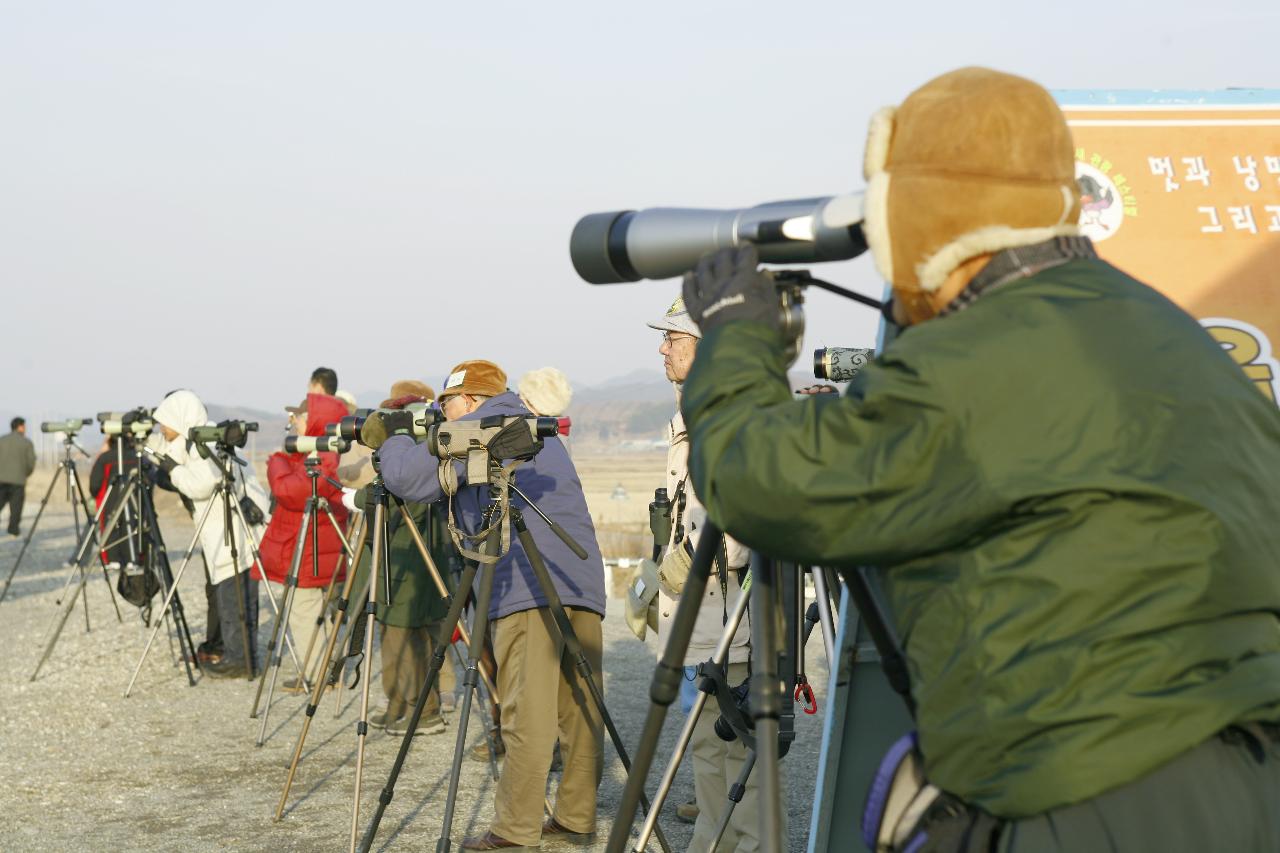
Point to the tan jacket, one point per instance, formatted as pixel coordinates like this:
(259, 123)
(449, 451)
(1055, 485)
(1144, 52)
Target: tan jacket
(710, 626)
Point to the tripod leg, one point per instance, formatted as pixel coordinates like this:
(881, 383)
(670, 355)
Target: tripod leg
(84, 596)
(168, 599)
(347, 566)
(66, 613)
(257, 561)
(317, 689)
(766, 701)
(483, 596)
(380, 545)
(453, 618)
(443, 592)
(665, 685)
(825, 620)
(720, 656)
(574, 649)
(77, 566)
(157, 561)
(84, 504)
(736, 792)
(27, 540)
(281, 628)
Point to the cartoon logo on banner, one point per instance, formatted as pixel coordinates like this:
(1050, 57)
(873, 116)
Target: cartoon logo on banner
(1105, 197)
(1249, 348)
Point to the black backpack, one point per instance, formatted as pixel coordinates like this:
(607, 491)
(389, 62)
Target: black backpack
(137, 587)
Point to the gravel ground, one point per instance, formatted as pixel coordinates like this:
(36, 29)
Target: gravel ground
(175, 767)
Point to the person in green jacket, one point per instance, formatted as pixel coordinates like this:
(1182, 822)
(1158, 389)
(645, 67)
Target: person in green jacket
(1068, 490)
(416, 606)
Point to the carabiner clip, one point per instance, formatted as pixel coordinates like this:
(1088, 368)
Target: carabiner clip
(803, 688)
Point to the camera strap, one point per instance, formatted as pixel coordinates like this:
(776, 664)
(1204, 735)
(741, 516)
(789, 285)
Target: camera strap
(503, 479)
(721, 562)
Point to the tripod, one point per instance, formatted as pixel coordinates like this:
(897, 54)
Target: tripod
(66, 473)
(765, 701)
(224, 494)
(343, 606)
(347, 564)
(792, 658)
(501, 482)
(280, 629)
(135, 502)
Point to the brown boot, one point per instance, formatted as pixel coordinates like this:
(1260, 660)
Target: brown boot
(489, 841)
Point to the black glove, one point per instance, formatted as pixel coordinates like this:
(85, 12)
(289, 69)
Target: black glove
(166, 463)
(726, 285)
(380, 425)
(515, 441)
(235, 434)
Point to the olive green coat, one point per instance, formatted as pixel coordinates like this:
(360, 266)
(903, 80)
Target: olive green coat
(1074, 497)
(415, 601)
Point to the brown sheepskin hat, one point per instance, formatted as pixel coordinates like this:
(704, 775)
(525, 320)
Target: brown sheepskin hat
(974, 161)
(478, 378)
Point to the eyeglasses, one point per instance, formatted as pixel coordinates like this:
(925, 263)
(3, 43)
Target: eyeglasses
(670, 338)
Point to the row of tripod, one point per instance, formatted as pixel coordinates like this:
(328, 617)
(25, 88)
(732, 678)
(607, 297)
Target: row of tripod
(131, 515)
(125, 523)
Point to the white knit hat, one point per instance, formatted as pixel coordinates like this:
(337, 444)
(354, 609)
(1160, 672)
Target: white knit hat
(545, 391)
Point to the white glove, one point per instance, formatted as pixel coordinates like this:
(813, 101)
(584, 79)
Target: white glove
(349, 499)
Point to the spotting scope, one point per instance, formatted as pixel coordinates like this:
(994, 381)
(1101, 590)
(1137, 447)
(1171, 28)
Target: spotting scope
(661, 242)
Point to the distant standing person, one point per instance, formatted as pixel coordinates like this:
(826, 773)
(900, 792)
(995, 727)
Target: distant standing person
(17, 461)
(324, 380)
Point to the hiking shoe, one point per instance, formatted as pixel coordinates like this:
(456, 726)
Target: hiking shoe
(225, 669)
(382, 719)
(448, 703)
(687, 812)
(432, 725)
(480, 752)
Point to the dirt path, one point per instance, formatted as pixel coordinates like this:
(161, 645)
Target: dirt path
(174, 767)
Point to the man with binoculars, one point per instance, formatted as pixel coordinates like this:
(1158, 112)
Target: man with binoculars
(542, 695)
(1067, 487)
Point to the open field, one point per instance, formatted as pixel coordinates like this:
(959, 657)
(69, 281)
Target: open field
(174, 767)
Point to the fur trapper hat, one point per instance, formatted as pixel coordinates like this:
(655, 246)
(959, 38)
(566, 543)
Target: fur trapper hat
(972, 162)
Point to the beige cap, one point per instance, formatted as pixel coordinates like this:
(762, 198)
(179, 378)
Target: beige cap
(676, 319)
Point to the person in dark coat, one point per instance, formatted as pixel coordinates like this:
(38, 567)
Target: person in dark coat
(291, 488)
(17, 461)
(416, 605)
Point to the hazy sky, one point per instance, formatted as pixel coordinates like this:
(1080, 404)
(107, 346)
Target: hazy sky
(224, 195)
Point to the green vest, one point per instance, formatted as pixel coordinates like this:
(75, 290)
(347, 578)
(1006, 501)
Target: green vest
(1073, 495)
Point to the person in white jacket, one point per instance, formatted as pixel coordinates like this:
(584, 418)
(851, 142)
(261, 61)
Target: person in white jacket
(716, 763)
(198, 478)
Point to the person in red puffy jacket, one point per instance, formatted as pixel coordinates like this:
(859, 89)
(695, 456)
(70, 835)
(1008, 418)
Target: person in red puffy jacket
(291, 487)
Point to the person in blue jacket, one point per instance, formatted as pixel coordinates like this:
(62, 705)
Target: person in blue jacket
(542, 696)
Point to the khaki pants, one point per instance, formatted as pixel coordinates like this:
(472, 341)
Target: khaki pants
(542, 698)
(716, 765)
(406, 656)
(307, 602)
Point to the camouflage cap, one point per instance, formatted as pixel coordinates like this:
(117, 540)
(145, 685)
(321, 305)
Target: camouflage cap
(676, 319)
